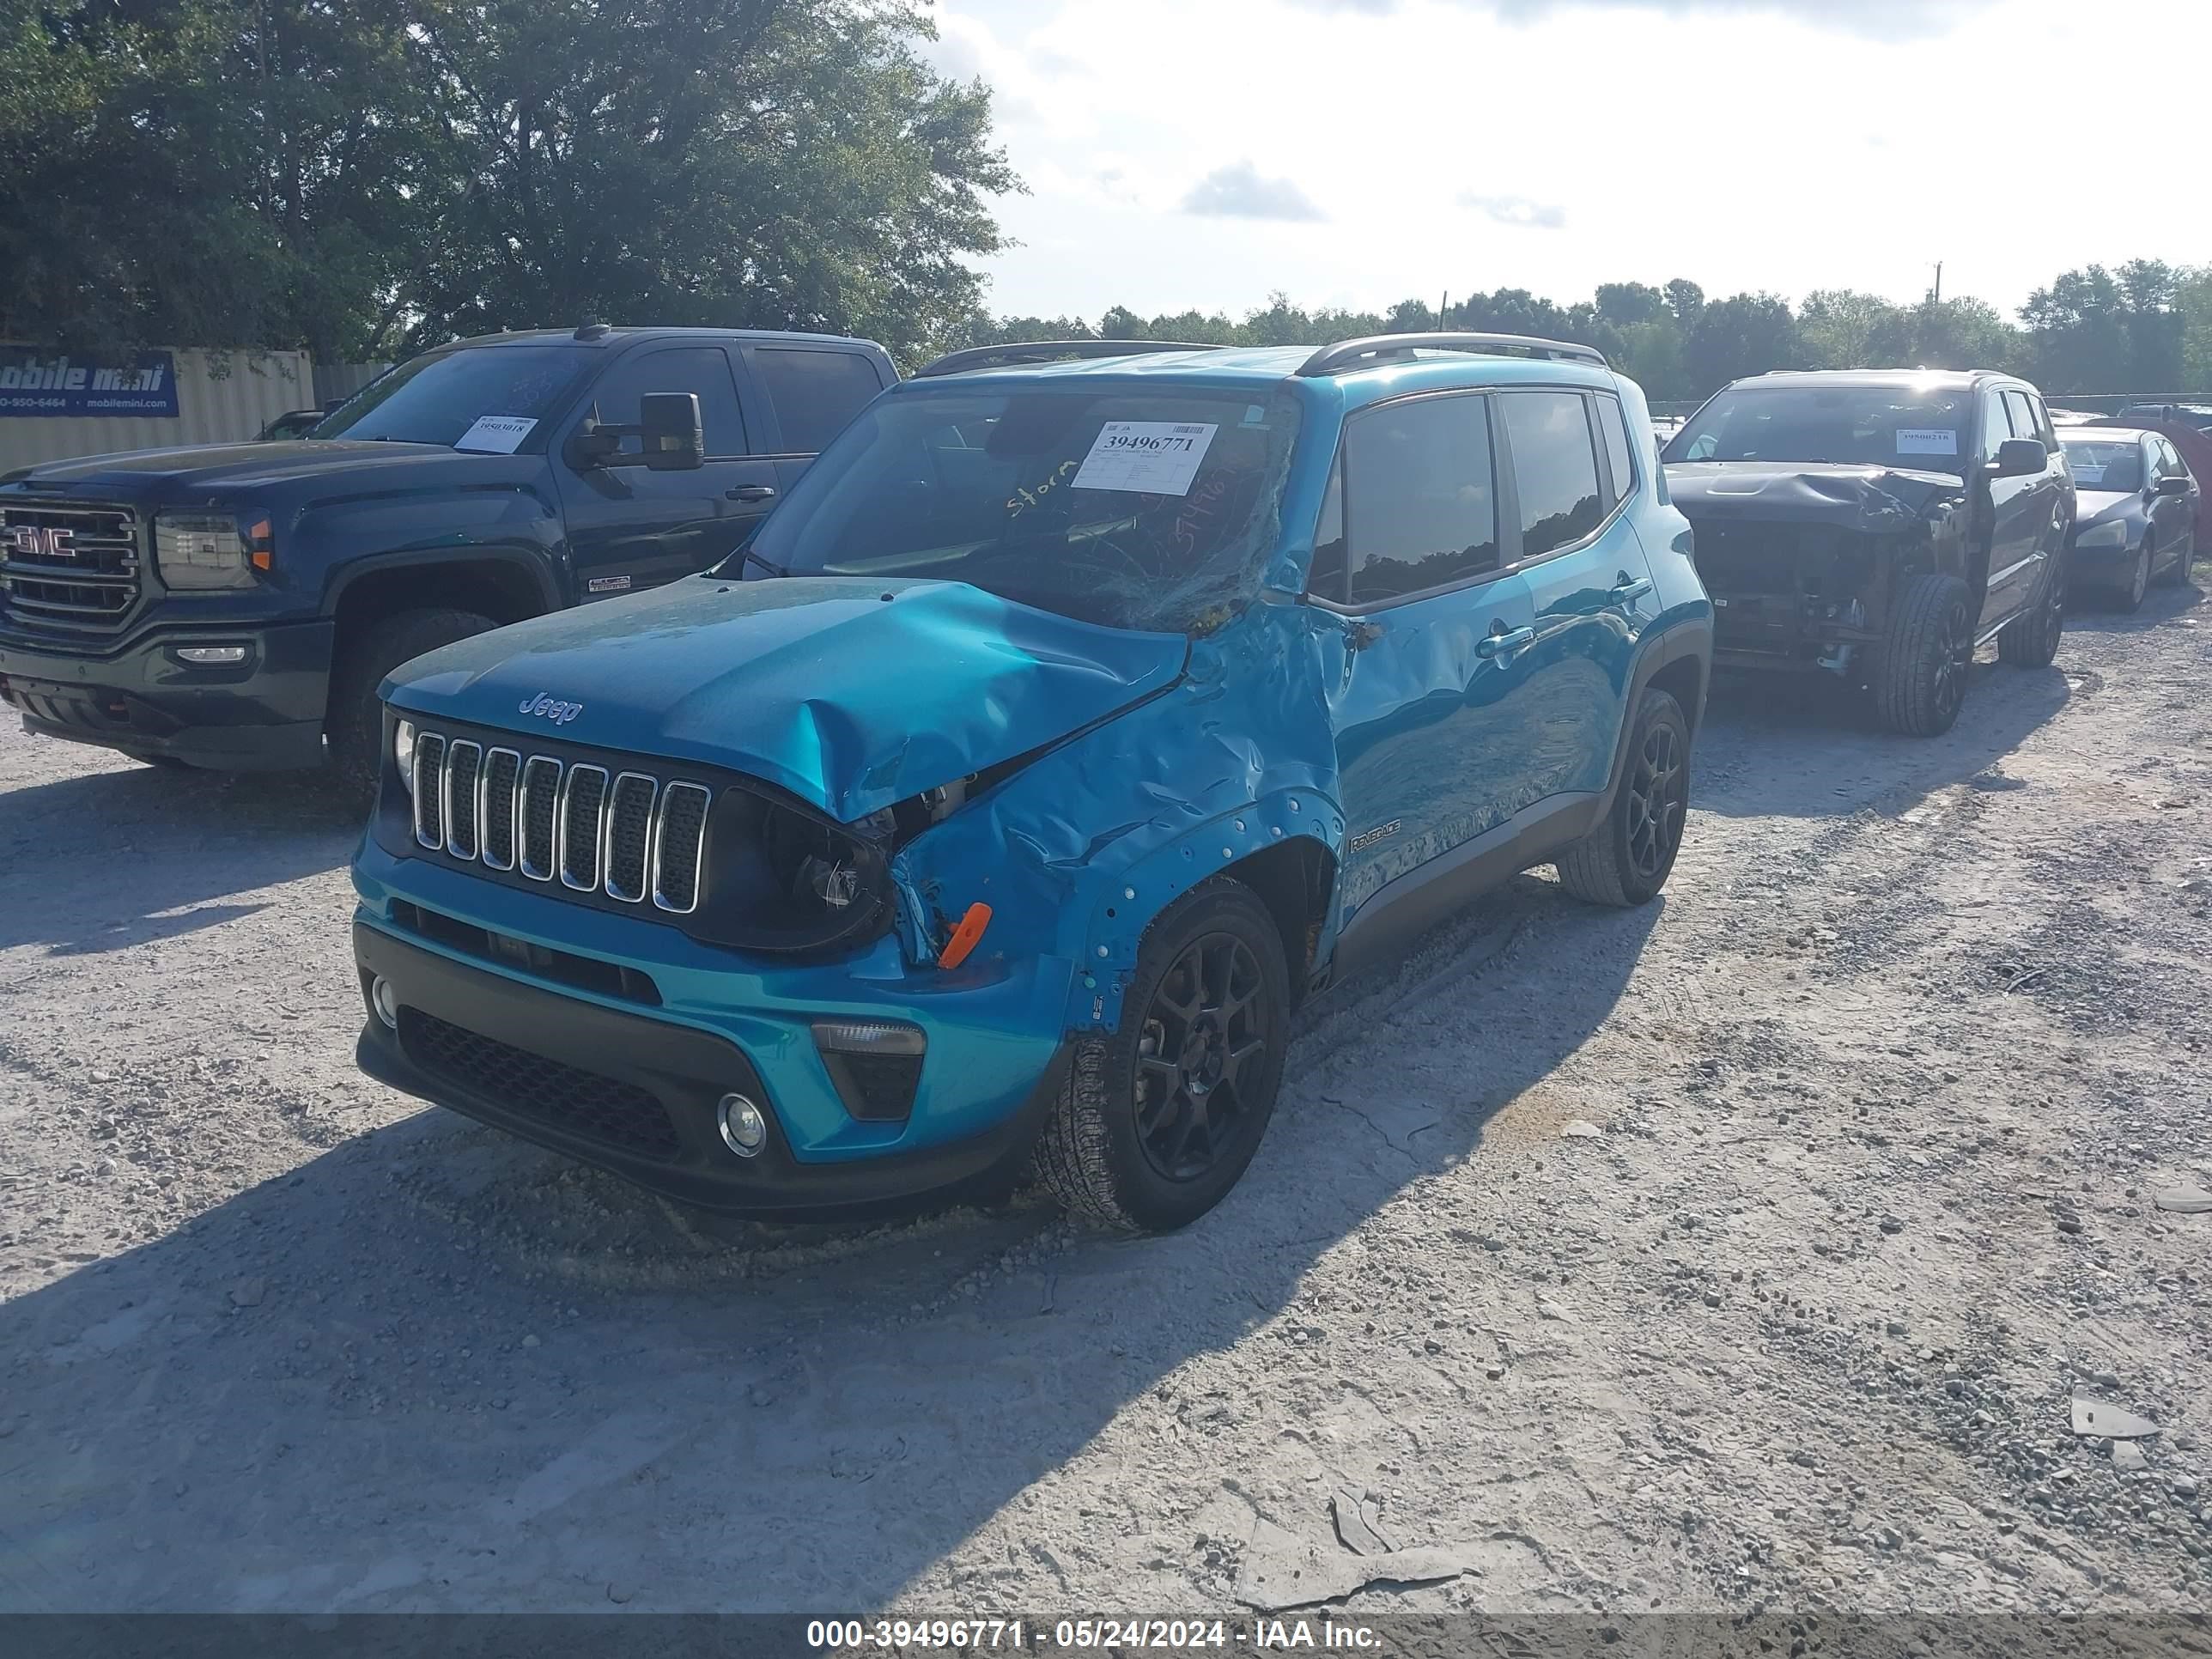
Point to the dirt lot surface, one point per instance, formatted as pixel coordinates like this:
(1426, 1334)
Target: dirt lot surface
(1745, 1249)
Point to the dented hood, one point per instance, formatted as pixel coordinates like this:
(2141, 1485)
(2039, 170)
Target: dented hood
(851, 693)
(1873, 500)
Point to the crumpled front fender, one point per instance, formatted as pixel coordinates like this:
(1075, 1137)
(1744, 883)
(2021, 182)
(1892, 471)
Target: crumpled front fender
(1080, 851)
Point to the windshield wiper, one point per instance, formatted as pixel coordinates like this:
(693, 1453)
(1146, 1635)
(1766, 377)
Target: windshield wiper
(746, 555)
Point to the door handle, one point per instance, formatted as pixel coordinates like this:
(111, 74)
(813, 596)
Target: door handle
(751, 493)
(1630, 588)
(1497, 644)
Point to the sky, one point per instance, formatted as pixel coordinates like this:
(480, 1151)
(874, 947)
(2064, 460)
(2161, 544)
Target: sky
(1203, 152)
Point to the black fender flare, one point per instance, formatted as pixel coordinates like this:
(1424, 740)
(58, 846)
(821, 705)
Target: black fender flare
(1689, 636)
(531, 563)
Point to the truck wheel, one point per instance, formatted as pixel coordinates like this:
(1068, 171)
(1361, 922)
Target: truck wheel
(2031, 639)
(354, 727)
(1157, 1120)
(1625, 861)
(1922, 678)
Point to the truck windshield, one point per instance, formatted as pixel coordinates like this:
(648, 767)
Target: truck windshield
(489, 396)
(1130, 506)
(1915, 427)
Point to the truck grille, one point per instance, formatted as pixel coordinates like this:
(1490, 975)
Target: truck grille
(74, 566)
(629, 835)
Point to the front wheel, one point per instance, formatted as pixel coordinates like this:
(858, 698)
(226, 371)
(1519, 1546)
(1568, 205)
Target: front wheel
(354, 727)
(1625, 860)
(1920, 678)
(2177, 573)
(2138, 582)
(1156, 1121)
(2031, 640)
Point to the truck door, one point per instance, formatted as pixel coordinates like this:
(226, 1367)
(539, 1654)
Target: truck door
(629, 528)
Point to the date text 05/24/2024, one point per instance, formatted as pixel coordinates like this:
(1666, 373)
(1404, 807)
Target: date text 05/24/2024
(1085, 1635)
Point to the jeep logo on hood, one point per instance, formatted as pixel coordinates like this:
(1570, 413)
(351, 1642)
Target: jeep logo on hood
(551, 709)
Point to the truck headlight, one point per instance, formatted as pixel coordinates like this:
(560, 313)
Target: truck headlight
(208, 552)
(402, 752)
(2113, 534)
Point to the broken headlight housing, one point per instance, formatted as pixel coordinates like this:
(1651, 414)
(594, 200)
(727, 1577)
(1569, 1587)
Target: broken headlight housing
(780, 876)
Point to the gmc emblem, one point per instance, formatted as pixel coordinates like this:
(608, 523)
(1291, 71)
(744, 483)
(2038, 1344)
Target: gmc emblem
(38, 542)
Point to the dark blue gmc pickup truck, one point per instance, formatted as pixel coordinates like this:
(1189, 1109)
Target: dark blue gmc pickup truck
(236, 606)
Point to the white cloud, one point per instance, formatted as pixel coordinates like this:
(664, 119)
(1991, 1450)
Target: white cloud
(1517, 210)
(1877, 18)
(1238, 192)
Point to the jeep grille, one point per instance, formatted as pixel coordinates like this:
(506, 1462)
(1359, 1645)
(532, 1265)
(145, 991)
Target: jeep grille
(630, 835)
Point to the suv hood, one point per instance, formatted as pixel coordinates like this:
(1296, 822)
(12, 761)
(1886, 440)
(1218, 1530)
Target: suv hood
(851, 693)
(1875, 500)
(184, 473)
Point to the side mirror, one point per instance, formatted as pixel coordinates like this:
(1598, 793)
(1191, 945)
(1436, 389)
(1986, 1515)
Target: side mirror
(668, 422)
(2019, 458)
(2175, 483)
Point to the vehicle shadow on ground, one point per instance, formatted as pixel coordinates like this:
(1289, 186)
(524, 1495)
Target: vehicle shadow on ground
(244, 831)
(436, 1369)
(2095, 612)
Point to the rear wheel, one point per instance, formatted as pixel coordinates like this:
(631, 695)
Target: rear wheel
(1920, 680)
(1156, 1121)
(355, 724)
(1626, 859)
(2031, 639)
(2138, 582)
(2177, 571)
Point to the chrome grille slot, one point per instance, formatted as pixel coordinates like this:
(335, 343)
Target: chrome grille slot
(430, 789)
(629, 835)
(541, 796)
(496, 807)
(679, 835)
(72, 564)
(464, 766)
(583, 798)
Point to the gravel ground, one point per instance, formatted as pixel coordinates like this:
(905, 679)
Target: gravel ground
(1742, 1251)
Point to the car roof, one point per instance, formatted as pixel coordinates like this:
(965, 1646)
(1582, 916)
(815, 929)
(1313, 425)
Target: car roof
(607, 338)
(1951, 379)
(2102, 434)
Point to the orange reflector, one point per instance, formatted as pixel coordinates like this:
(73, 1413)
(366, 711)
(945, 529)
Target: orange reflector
(965, 936)
(260, 547)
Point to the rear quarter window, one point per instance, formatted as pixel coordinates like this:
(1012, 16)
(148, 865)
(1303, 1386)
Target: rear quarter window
(814, 393)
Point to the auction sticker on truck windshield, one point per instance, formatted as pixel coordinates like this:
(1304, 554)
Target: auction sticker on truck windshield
(497, 434)
(1927, 441)
(1148, 458)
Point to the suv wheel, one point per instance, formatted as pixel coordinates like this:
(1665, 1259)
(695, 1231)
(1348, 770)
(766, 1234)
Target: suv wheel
(1921, 678)
(2031, 639)
(354, 727)
(1625, 861)
(1157, 1120)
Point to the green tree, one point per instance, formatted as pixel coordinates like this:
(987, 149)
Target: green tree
(1745, 334)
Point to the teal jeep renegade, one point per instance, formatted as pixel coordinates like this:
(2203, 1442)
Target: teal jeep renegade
(1084, 707)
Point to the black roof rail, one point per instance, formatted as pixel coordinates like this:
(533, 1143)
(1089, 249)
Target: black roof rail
(1375, 348)
(1045, 351)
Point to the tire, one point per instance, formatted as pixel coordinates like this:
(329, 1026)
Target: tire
(1920, 680)
(354, 727)
(2176, 573)
(1101, 1153)
(2131, 598)
(1625, 861)
(2031, 639)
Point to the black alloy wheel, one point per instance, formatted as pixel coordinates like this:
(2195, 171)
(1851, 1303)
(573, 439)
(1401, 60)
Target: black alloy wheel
(1658, 802)
(1199, 1041)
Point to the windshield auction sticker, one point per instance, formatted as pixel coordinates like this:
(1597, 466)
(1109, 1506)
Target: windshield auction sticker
(1149, 457)
(497, 434)
(1927, 441)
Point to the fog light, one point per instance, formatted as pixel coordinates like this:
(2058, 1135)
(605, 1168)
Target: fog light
(744, 1131)
(204, 656)
(385, 1001)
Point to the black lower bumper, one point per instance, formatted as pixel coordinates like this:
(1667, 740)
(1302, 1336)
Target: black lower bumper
(262, 713)
(637, 1095)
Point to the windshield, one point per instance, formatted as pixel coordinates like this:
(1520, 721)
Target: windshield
(1132, 507)
(2115, 465)
(1915, 428)
(486, 398)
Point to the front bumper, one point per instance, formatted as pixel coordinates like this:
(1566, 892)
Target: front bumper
(600, 1071)
(2102, 564)
(138, 695)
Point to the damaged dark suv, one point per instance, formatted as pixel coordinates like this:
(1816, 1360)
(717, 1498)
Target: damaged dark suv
(1878, 525)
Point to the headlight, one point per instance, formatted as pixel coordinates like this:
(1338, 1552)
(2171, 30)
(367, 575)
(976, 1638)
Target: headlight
(2113, 534)
(203, 551)
(403, 751)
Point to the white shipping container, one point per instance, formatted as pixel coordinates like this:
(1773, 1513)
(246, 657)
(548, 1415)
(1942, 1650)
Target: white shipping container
(222, 396)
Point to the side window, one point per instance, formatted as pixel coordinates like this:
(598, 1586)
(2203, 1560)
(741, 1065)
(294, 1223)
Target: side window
(814, 393)
(1325, 579)
(1995, 426)
(1612, 427)
(2043, 427)
(1554, 468)
(2023, 417)
(700, 369)
(1421, 509)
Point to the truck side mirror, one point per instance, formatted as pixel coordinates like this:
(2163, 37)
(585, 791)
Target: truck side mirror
(668, 422)
(2019, 458)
